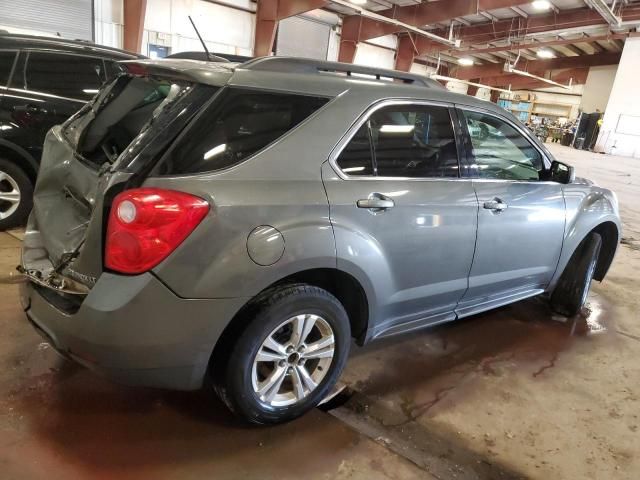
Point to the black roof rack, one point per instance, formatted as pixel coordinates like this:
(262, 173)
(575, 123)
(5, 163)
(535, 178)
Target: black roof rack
(307, 65)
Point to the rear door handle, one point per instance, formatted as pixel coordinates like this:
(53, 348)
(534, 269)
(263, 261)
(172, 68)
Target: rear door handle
(376, 201)
(496, 205)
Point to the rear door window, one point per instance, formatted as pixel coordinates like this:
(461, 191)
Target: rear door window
(235, 127)
(412, 141)
(65, 75)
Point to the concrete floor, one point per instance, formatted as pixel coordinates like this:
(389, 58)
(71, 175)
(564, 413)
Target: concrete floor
(515, 393)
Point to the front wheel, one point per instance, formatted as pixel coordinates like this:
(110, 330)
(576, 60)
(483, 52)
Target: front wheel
(289, 357)
(570, 294)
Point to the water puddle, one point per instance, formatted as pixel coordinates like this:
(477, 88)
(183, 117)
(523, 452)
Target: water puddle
(420, 371)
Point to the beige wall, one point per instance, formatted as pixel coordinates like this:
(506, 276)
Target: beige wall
(598, 88)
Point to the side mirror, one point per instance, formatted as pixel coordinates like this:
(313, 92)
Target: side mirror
(562, 173)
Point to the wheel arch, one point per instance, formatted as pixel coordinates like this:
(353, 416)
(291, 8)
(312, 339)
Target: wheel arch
(610, 235)
(20, 157)
(345, 287)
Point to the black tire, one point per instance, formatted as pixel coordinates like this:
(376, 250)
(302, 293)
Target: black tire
(234, 382)
(570, 294)
(15, 175)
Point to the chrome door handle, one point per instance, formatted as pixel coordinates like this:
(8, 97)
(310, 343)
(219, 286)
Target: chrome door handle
(496, 205)
(377, 202)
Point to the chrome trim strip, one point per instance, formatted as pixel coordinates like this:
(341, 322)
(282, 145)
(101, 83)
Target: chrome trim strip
(48, 95)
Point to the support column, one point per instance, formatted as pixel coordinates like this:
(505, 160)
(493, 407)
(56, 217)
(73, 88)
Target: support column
(472, 90)
(349, 39)
(266, 25)
(134, 13)
(405, 53)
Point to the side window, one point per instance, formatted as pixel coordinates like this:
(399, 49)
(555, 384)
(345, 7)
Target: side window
(356, 159)
(414, 141)
(64, 75)
(406, 141)
(6, 64)
(235, 127)
(501, 151)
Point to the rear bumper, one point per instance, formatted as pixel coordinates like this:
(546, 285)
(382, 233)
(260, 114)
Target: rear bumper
(135, 331)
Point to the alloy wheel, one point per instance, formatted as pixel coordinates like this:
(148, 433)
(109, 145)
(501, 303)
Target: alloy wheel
(9, 195)
(293, 360)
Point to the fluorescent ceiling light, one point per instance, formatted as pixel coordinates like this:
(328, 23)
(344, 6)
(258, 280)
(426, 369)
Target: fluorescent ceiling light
(91, 91)
(541, 4)
(352, 169)
(358, 2)
(466, 61)
(215, 151)
(397, 128)
(545, 53)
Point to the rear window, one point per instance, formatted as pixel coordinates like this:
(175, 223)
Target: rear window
(235, 127)
(123, 112)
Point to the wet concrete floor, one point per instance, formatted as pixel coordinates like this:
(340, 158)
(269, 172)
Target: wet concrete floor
(513, 393)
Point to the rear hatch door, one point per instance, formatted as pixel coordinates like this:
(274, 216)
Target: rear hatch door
(108, 146)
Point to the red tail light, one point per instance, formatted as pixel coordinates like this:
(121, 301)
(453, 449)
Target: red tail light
(147, 224)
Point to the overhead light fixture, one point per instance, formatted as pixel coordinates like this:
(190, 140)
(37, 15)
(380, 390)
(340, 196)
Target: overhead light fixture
(397, 128)
(465, 61)
(215, 151)
(545, 53)
(541, 5)
(358, 2)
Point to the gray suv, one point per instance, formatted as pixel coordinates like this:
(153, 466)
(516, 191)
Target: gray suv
(239, 225)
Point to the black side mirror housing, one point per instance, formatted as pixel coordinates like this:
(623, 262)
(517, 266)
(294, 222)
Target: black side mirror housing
(562, 173)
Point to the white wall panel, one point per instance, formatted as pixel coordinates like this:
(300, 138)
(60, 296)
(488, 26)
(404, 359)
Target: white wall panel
(624, 103)
(598, 88)
(224, 29)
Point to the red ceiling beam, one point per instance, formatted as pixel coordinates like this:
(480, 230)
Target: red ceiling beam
(269, 12)
(538, 67)
(405, 53)
(503, 29)
(549, 43)
(578, 76)
(134, 13)
(596, 60)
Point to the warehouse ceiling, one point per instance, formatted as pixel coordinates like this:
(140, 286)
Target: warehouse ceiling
(479, 40)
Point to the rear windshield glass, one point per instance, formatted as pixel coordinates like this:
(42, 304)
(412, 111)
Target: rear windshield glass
(234, 127)
(130, 105)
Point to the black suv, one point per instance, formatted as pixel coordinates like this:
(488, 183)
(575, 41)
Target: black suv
(43, 81)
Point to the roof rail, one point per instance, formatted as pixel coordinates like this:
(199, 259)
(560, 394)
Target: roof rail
(311, 66)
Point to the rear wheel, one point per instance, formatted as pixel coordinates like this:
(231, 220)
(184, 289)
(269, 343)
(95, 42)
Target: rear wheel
(288, 358)
(16, 194)
(570, 294)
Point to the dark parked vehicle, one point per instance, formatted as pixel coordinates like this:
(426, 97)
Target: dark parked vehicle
(43, 81)
(243, 223)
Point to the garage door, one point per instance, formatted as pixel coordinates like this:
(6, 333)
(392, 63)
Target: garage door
(70, 18)
(315, 37)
